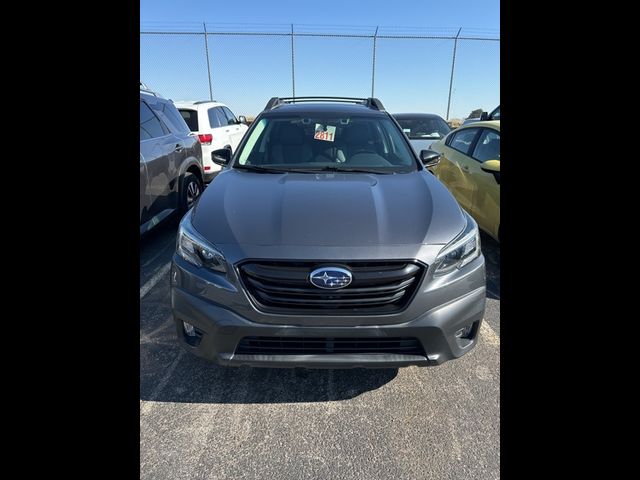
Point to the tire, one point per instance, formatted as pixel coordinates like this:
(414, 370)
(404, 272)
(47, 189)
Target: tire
(190, 190)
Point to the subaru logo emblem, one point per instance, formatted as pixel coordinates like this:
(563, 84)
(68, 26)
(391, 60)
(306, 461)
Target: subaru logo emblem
(330, 277)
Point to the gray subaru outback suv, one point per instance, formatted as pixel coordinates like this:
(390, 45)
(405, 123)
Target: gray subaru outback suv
(325, 242)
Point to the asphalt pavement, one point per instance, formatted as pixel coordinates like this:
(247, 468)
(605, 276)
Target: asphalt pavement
(201, 421)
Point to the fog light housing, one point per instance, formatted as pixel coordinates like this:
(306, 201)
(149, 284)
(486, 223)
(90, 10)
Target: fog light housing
(465, 332)
(189, 329)
(192, 335)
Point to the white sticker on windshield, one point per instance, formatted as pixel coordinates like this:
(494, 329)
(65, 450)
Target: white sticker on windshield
(325, 132)
(406, 130)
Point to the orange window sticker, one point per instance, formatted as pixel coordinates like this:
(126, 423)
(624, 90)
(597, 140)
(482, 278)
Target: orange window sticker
(325, 132)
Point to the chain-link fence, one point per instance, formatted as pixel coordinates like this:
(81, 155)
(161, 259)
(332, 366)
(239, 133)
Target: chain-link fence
(444, 71)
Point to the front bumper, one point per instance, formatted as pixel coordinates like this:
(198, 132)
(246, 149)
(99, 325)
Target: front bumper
(222, 329)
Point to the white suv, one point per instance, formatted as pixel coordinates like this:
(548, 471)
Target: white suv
(216, 127)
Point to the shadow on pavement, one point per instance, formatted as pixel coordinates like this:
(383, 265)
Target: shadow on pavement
(197, 381)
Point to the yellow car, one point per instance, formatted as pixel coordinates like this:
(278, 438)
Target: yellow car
(470, 168)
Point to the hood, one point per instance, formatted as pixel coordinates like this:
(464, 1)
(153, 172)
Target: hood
(327, 209)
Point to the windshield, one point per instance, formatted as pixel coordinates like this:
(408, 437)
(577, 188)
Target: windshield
(424, 127)
(326, 142)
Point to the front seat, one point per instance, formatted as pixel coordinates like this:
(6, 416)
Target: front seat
(290, 146)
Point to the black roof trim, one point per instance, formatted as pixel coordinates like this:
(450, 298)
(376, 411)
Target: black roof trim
(370, 102)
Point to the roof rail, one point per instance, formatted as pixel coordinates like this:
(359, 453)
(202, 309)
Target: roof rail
(145, 89)
(370, 102)
(199, 102)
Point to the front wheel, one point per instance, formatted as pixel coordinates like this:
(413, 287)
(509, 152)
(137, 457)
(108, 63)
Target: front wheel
(190, 191)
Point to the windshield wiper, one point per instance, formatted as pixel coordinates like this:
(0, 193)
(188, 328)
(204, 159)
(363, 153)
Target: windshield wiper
(329, 168)
(351, 169)
(257, 168)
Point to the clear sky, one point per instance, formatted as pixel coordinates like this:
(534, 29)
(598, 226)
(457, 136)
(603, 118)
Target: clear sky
(411, 75)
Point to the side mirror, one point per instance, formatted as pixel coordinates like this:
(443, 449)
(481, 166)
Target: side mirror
(484, 116)
(491, 166)
(242, 119)
(429, 158)
(221, 156)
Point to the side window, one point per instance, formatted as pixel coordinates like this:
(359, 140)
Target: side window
(214, 121)
(230, 116)
(150, 125)
(463, 139)
(174, 119)
(488, 146)
(222, 118)
(495, 115)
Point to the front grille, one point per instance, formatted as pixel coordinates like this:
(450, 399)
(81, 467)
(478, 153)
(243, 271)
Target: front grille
(327, 345)
(376, 288)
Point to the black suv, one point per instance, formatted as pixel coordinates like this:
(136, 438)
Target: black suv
(170, 161)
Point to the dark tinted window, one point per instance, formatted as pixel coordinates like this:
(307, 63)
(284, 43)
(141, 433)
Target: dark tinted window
(150, 125)
(172, 117)
(463, 139)
(488, 146)
(231, 118)
(214, 118)
(191, 118)
(424, 127)
(222, 118)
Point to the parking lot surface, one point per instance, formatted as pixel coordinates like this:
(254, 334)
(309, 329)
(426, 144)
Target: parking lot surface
(201, 421)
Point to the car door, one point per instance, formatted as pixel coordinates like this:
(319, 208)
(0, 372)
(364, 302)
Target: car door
(236, 130)
(456, 168)
(158, 150)
(183, 142)
(486, 199)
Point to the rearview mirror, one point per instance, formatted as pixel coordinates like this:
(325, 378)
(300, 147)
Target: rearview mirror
(484, 116)
(221, 156)
(242, 119)
(491, 166)
(429, 158)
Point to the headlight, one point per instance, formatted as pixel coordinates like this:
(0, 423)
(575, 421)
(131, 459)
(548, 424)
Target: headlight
(464, 248)
(196, 250)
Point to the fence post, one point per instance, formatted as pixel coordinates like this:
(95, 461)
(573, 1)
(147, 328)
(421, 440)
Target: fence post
(206, 50)
(293, 70)
(373, 70)
(453, 66)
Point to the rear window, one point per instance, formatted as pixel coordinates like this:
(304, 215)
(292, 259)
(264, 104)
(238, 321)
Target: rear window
(419, 127)
(191, 118)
